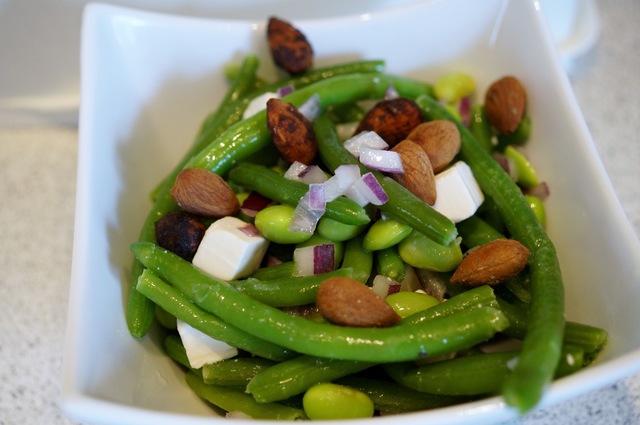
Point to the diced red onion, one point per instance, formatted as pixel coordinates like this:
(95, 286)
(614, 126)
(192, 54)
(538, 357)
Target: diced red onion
(507, 164)
(541, 191)
(381, 160)
(273, 261)
(384, 285)
(368, 139)
(295, 170)
(345, 175)
(433, 283)
(391, 93)
(285, 90)
(367, 190)
(311, 108)
(317, 201)
(464, 107)
(254, 203)
(305, 219)
(314, 259)
(250, 230)
(305, 173)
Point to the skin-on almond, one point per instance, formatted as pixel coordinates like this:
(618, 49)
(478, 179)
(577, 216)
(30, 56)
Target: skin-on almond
(392, 119)
(204, 193)
(440, 139)
(289, 47)
(348, 302)
(491, 263)
(418, 174)
(505, 104)
(292, 132)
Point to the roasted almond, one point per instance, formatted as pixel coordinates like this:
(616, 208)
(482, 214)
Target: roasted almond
(505, 104)
(491, 263)
(440, 139)
(418, 174)
(180, 232)
(392, 119)
(348, 302)
(293, 135)
(204, 193)
(289, 47)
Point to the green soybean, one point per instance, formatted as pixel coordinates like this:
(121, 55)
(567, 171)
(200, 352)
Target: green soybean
(538, 208)
(337, 231)
(274, 221)
(518, 137)
(390, 264)
(358, 259)
(454, 86)
(332, 401)
(527, 176)
(407, 303)
(385, 233)
(419, 251)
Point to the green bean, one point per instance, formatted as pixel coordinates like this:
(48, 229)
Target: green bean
(297, 375)
(471, 375)
(395, 343)
(538, 208)
(165, 319)
(172, 345)
(390, 264)
(288, 292)
(391, 397)
(402, 204)
(177, 304)
(476, 232)
(481, 128)
(234, 372)
(542, 344)
(358, 259)
(280, 189)
(527, 176)
(279, 271)
(518, 137)
(234, 401)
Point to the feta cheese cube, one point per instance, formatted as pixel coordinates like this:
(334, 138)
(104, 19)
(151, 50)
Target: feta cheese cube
(458, 194)
(201, 348)
(230, 249)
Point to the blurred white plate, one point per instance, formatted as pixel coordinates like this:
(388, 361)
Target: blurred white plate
(148, 80)
(40, 41)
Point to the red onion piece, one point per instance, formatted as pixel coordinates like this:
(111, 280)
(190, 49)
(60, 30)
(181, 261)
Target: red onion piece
(345, 175)
(464, 107)
(305, 173)
(507, 164)
(317, 201)
(305, 219)
(311, 108)
(367, 190)
(381, 160)
(540, 191)
(368, 139)
(391, 93)
(314, 259)
(254, 203)
(285, 90)
(384, 285)
(250, 230)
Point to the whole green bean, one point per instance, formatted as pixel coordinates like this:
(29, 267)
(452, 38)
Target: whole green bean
(471, 375)
(402, 204)
(235, 372)
(542, 345)
(287, 292)
(275, 186)
(391, 397)
(172, 345)
(358, 259)
(279, 271)
(235, 401)
(241, 140)
(177, 304)
(297, 375)
(396, 343)
(476, 232)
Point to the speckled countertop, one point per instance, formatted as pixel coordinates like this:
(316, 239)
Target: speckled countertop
(37, 189)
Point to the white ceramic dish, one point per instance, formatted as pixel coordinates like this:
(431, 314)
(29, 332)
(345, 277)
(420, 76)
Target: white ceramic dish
(149, 79)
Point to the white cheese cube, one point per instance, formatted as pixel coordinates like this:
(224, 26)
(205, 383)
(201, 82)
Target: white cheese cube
(201, 348)
(230, 249)
(458, 194)
(259, 103)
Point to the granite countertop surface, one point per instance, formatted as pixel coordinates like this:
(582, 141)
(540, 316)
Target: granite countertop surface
(37, 190)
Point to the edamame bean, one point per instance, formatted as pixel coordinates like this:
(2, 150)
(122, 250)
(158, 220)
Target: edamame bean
(390, 264)
(333, 401)
(419, 251)
(385, 233)
(337, 231)
(527, 175)
(454, 86)
(538, 208)
(273, 223)
(518, 137)
(406, 303)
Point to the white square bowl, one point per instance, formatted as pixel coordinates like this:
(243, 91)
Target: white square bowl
(149, 79)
